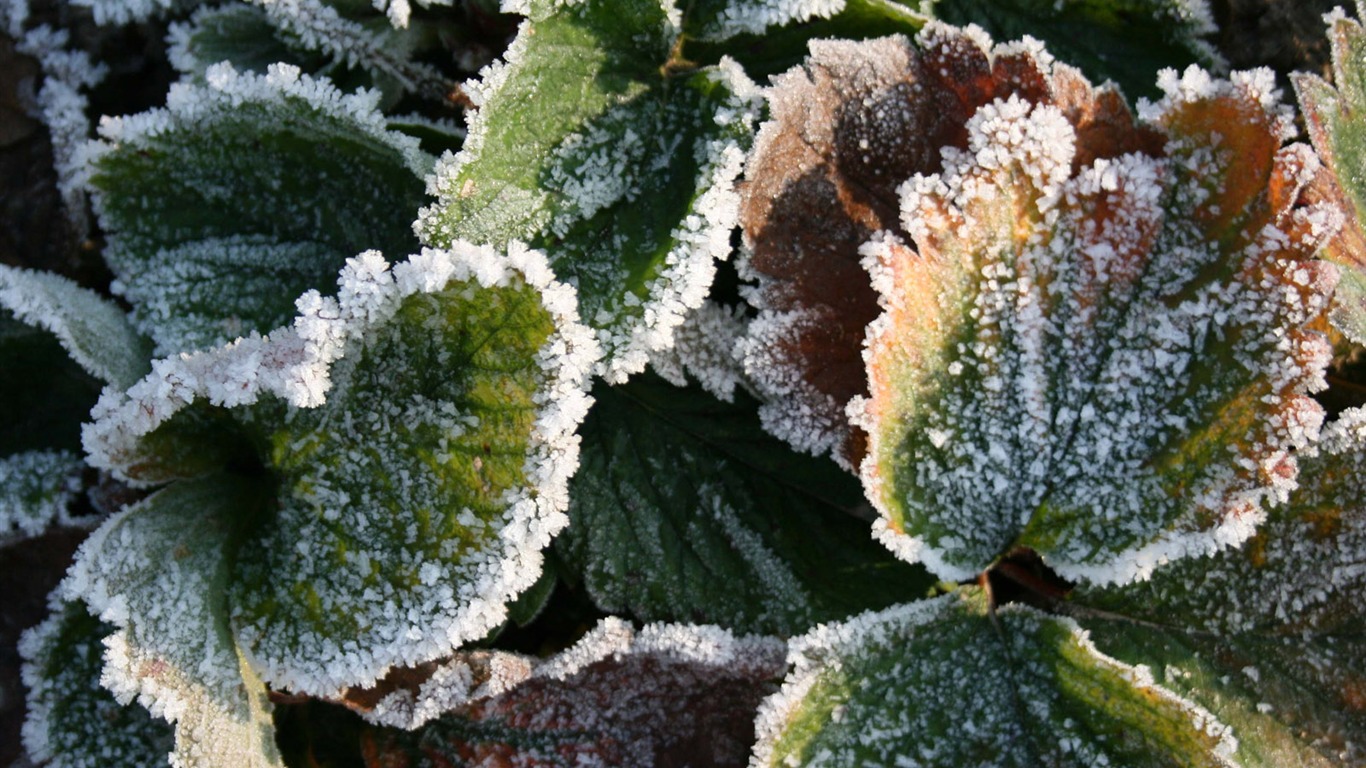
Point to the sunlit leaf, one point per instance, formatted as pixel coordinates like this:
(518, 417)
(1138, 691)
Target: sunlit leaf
(1333, 114)
(666, 695)
(1104, 360)
(73, 722)
(158, 572)
(587, 143)
(683, 509)
(1268, 636)
(946, 683)
(846, 129)
(241, 194)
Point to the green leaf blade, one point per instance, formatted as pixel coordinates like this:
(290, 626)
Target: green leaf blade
(684, 509)
(176, 182)
(577, 129)
(1019, 688)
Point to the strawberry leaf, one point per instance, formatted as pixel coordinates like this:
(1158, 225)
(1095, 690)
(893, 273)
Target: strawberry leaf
(73, 722)
(1332, 114)
(946, 683)
(1104, 361)
(683, 509)
(587, 144)
(158, 571)
(240, 195)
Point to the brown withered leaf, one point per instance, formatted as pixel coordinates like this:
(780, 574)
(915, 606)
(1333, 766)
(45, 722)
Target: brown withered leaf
(847, 128)
(668, 695)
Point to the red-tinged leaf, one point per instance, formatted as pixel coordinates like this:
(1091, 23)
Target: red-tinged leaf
(664, 696)
(847, 128)
(1334, 118)
(1105, 362)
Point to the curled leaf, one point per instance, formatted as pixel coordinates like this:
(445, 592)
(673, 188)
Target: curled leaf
(588, 145)
(667, 694)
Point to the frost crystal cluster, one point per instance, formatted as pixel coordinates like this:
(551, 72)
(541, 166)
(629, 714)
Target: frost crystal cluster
(735, 382)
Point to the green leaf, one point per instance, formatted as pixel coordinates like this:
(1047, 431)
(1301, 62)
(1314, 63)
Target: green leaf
(72, 721)
(589, 145)
(239, 33)
(1108, 363)
(415, 501)
(946, 683)
(1121, 40)
(93, 330)
(684, 509)
(240, 195)
(159, 572)
(1333, 118)
(1267, 636)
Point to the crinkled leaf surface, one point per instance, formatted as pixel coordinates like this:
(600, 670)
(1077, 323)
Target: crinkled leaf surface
(846, 128)
(415, 501)
(666, 695)
(683, 509)
(72, 721)
(587, 144)
(1121, 40)
(240, 195)
(37, 488)
(943, 683)
(159, 572)
(1270, 636)
(1333, 114)
(1106, 363)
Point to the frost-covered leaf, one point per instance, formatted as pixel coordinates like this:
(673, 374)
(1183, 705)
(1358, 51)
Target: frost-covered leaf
(1268, 636)
(37, 489)
(1334, 117)
(1121, 40)
(846, 129)
(587, 144)
(944, 683)
(58, 344)
(72, 721)
(158, 572)
(94, 332)
(241, 194)
(312, 34)
(421, 428)
(409, 697)
(666, 695)
(1107, 362)
(683, 509)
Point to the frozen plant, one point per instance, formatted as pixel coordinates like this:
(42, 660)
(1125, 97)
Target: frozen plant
(791, 383)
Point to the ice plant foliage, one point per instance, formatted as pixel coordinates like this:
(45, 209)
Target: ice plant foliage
(988, 323)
